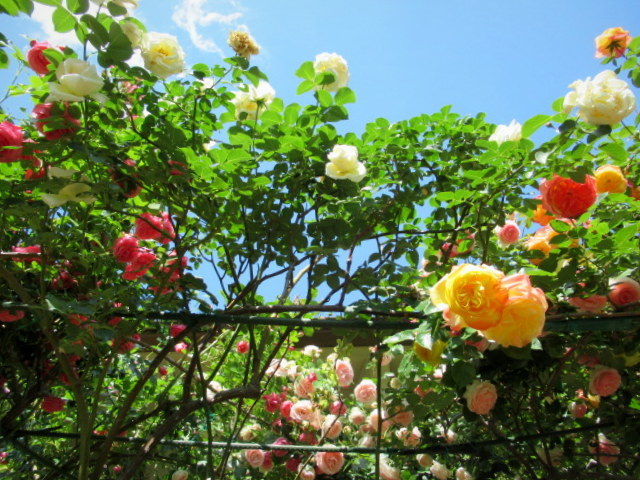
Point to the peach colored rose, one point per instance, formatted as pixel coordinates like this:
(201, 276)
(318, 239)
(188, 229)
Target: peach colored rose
(331, 427)
(307, 474)
(472, 295)
(410, 438)
(566, 198)
(387, 471)
(357, 416)
(605, 450)
(329, 463)
(592, 303)
(254, 457)
(403, 417)
(424, 460)
(439, 471)
(344, 372)
(612, 42)
(610, 179)
(462, 474)
(180, 475)
(365, 391)
(302, 411)
(367, 441)
(624, 290)
(303, 387)
(249, 432)
(509, 233)
(604, 381)
(481, 397)
(372, 421)
(523, 316)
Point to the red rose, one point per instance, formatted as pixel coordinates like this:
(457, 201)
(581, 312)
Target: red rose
(565, 198)
(126, 248)
(54, 120)
(242, 346)
(37, 60)
(176, 329)
(11, 139)
(52, 404)
(6, 316)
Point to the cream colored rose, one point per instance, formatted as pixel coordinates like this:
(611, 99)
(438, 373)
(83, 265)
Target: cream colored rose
(254, 101)
(507, 133)
(343, 164)
(132, 31)
(334, 64)
(605, 100)
(74, 192)
(388, 471)
(424, 460)
(162, 54)
(180, 475)
(77, 79)
(439, 471)
(243, 44)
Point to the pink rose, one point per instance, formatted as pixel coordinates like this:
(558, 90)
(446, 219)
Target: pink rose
(404, 418)
(605, 450)
(329, 463)
(410, 438)
(604, 381)
(372, 420)
(357, 416)
(578, 409)
(6, 316)
(281, 441)
(624, 290)
(592, 304)
(481, 397)
(180, 475)
(176, 329)
(54, 120)
(267, 463)
(302, 411)
(509, 233)
(126, 248)
(272, 402)
(344, 372)
(36, 58)
(292, 464)
(307, 474)
(254, 457)
(366, 391)
(35, 249)
(11, 140)
(338, 408)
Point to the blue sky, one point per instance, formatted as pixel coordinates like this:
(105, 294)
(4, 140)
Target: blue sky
(508, 58)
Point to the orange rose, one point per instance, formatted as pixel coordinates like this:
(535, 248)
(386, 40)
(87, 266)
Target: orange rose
(541, 216)
(541, 240)
(612, 42)
(593, 303)
(523, 316)
(609, 179)
(565, 198)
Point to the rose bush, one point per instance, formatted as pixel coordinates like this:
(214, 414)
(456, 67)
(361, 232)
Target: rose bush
(112, 338)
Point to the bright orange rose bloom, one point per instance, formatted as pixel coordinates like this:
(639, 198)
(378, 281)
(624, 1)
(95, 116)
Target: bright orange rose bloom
(541, 216)
(541, 240)
(472, 294)
(610, 179)
(523, 316)
(612, 42)
(565, 198)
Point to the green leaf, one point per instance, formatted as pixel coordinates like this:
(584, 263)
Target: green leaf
(78, 6)
(627, 233)
(560, 226)
(533, 124)
(305, 87)
(116, 10)
(615, 151)
(53, 3)
(119, 48)
(63, 20)
(345, 95)
(306, 71)
(324, 97)
(462, 373)
(10, 7)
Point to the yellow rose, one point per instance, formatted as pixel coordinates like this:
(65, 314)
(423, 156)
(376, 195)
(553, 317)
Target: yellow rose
(162, 54)
(473, 295)
(523, 316)
(243, 44)
(609, 179)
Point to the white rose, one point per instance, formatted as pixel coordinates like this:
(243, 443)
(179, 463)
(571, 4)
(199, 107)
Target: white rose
(254, 101)
(507, 133)
(74, 192)
(162, 54)
(605, 100)
(77, 79)
(344, 164)
(334, 64)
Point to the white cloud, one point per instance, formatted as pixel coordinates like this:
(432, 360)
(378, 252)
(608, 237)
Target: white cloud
(191, 14)
(42, 14)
